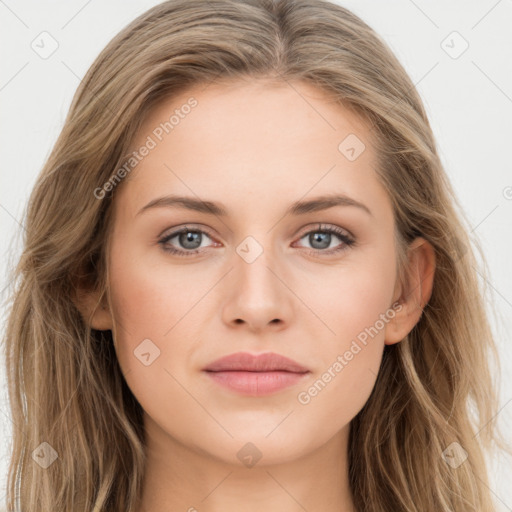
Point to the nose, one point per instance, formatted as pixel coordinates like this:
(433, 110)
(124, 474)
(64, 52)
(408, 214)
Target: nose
(259, 297)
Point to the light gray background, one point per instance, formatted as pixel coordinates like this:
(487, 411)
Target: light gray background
(468, 99)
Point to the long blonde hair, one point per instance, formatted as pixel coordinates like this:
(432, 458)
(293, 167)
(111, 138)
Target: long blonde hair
(65, 385)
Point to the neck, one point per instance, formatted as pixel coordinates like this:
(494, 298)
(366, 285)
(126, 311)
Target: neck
(177, 477)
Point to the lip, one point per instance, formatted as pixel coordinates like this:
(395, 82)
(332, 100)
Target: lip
(256, 375)
(244, 361)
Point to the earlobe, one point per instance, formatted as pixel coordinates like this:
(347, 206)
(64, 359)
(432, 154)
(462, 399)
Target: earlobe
(94, 309)
(415, 292)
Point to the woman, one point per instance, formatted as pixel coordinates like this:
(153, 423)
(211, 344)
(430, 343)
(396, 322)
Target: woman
(246, 283)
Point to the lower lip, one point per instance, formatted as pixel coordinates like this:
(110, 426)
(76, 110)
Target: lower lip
(256, 383)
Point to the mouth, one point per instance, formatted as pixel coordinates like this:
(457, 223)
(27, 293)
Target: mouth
(256, 383)
(258, 375)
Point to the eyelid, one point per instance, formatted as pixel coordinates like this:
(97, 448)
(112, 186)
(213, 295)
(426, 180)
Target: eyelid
(319, 226)
(185, 227)
(304, 231)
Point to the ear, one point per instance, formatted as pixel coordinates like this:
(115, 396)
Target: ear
(94, 308)
(414, 294)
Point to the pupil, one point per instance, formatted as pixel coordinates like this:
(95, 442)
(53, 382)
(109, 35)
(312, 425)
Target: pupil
(187, 240)
(318, 237)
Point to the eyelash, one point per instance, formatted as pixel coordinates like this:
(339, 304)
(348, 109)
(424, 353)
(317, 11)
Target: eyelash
(346, 239)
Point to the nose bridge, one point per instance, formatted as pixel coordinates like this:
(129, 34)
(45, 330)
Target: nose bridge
(254, 255)
(258, 296)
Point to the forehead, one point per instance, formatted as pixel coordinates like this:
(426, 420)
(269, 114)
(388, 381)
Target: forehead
(255, 139)
(255, 105)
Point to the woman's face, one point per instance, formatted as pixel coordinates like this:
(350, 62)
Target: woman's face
(257, 273)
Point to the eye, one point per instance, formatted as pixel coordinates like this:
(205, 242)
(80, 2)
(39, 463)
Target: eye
(321, 239)
(189, 238)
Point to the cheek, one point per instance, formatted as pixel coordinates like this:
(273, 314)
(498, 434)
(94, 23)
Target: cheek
(357, 307)
(362, 297)
(148, 303)
(342, 384)
(148, 297)
(351, 300)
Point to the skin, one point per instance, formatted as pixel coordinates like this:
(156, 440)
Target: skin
(256, 147)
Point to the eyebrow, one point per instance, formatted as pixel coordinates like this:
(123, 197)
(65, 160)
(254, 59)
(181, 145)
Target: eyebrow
(209, 207)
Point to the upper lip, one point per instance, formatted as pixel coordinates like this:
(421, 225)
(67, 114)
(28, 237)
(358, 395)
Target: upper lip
(243, 361)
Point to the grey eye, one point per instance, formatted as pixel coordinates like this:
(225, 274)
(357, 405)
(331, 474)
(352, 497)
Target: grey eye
(319, 240)
(190, 239)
